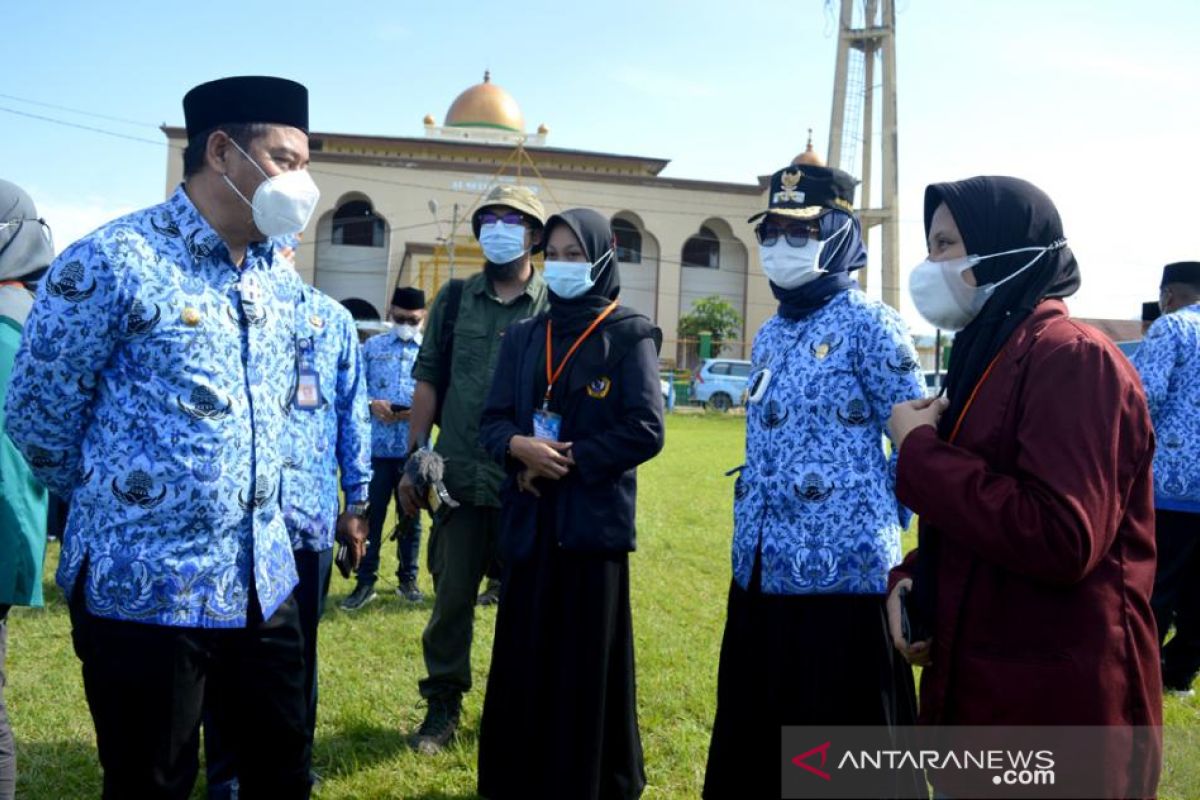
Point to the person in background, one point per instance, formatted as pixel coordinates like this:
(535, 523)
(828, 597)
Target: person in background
(389, 360)
(151, 391)
(574, 408)
(1028, 598)
(26, 251)
(1150, 312)
(454, 372)
(816, 521)
(1169, 363)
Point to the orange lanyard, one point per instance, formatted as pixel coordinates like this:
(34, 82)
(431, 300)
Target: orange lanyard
(551, 377)
(983, 379)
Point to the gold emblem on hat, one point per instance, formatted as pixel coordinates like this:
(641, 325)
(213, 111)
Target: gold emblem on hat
(821, 350)
(787, 193)
(191, 316)
(316, 321)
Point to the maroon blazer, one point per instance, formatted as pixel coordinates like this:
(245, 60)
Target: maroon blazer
(1045, 511)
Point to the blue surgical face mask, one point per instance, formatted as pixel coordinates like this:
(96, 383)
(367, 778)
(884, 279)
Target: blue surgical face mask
(571, 279)
(502, 243)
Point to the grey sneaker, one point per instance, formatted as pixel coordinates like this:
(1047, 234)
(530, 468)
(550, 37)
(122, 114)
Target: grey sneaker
(362, 594)
(407, 590)
(440, 725)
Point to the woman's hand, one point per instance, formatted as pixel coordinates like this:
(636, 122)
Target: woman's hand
(541, 457)
(908, 416)
(525, 483)
(917, 653)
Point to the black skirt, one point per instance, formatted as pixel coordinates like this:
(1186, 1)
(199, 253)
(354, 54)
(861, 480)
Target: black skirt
(560, 714)
(800, 660)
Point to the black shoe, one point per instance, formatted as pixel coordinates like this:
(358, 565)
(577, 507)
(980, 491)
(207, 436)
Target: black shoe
(490, 596)
(408, 591)
(362, 594)
(440, 725)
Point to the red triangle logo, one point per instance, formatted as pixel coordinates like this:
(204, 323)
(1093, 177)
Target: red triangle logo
(800, 760)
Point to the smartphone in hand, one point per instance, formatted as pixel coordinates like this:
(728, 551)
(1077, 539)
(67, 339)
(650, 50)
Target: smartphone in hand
(342, 559)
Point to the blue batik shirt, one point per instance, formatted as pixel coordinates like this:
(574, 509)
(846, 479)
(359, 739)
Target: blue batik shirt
(1169, 363)
(336, 435)
(817, 493)
(390, 362)
(149, 390)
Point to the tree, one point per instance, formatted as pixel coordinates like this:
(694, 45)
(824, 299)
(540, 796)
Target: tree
(715, 315)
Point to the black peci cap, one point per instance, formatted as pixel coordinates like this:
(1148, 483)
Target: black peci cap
(246, 99)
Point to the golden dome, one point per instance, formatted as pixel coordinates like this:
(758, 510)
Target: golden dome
(429, 120)
(486, 105)
(543, 129)
(809, 157)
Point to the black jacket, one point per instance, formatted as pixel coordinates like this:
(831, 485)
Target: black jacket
(612, 413)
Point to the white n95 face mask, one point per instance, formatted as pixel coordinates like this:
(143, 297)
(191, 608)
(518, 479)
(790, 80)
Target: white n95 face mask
(282, 204)
(788, 267)
(945, 299)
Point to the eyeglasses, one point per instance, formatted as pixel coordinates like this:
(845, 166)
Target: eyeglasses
(18, 222)
(797, 234)
(511, 218)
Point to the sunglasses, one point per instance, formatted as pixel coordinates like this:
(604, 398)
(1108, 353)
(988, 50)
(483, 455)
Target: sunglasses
(511, 218)
(797, 234)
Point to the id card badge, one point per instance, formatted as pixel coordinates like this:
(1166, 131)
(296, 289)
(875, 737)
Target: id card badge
(546, 425)
(308, 383)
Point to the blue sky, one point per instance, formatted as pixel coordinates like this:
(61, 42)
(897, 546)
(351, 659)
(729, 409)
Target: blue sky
(1095, 101)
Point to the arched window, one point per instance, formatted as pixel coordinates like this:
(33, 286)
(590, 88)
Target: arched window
(355, 224)
(360, 309)
(702, 250)
(629, 242)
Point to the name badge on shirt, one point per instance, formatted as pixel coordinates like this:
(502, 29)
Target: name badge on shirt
(308, 383)
(546, 425)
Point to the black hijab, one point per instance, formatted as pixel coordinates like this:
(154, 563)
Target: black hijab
(621, 329)
(993, 214)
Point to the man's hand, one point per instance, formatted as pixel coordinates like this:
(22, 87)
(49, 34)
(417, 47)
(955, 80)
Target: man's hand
(917, 653)
(352, 530)
(907, 417)
(541, 457)
(411, 501)
(382, 411)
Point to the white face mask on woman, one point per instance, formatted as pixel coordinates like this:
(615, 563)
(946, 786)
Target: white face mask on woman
(788, 267)
(282, 204)
(945, 299)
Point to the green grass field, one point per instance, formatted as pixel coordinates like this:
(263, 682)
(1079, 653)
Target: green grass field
(371, 660)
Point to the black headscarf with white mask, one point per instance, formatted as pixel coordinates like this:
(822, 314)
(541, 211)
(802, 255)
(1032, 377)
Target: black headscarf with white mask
(843, 253)
(993, 215)
(571, 316)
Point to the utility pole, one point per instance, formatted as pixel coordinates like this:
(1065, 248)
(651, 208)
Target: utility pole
(861, 42)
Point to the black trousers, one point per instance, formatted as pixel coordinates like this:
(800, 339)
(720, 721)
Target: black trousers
(1176, 598)
(147, 686)
(314, 568)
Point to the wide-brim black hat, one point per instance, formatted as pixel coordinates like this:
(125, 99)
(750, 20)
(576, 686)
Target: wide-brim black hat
(245, 99)
(808, 191)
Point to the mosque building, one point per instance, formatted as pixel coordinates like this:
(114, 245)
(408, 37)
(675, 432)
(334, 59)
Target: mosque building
(396, 211)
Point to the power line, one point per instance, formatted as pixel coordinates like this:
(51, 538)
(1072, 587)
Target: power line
(714, 208)
(80, 111)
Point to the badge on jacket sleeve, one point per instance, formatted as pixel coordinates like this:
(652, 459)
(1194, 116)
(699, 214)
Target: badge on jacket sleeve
(599, 388)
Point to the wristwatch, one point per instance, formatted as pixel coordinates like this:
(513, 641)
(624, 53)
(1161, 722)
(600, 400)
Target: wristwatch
(360, 510)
